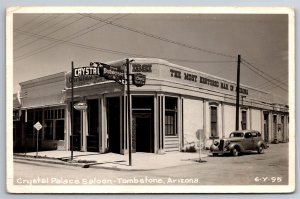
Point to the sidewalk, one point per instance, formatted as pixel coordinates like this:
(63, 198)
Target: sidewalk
(140, 161)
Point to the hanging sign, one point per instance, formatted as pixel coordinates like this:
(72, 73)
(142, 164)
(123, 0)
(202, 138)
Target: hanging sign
(139, 79)
(112, 73)
(80, 106)
(83, 71)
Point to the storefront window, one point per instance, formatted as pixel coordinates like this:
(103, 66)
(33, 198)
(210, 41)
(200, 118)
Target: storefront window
(48, 129)
(170, 116)
(54, 124)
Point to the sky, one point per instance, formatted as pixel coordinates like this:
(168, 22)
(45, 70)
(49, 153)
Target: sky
(47, 43)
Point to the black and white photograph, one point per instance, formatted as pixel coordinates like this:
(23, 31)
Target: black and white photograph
(150, 100)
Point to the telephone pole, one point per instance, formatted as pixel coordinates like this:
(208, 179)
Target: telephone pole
(237, 106)
(72, 115)
(128, 111)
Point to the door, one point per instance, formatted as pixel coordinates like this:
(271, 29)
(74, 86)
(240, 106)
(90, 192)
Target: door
(93, 125)
(266, 127)
(113, 124)
(275, 137)
(142, 135)
(248, 141)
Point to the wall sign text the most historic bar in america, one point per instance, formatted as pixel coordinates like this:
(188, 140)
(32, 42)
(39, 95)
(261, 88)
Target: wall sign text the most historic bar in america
(206, 81)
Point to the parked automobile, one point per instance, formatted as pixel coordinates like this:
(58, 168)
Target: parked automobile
(239, 142)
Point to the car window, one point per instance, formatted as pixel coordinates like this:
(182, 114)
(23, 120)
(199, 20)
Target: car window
(236, 134)
(258, 134)
(248, 135)
(254, 134)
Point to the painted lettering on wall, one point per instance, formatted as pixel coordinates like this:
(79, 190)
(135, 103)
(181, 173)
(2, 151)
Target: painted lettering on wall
(145, 68)
(190, 77)
(204, 80)
(209, 82)
(175, 73)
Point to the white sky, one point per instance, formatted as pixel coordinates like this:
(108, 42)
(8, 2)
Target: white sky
(261, 40)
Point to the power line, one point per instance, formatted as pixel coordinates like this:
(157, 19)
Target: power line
(44, 21)
(262, 76)
(270, 77)
(267, 84)
(29, 22)
(117, 52)
(26, 24)
(158, 37)
(64, 26)
(272, 86)
(70, 37)
(48, 27)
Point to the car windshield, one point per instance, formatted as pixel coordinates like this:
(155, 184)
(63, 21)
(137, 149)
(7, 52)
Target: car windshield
(236, 134)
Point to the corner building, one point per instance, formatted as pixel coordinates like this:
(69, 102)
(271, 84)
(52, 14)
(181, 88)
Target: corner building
(167, 112)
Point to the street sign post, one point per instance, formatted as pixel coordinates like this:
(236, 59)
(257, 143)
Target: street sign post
(38, 127)
(200, 133)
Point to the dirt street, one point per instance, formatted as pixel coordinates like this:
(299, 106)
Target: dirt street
(249, 169)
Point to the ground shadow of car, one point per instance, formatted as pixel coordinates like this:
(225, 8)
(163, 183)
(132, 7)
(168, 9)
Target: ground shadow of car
(230, 155)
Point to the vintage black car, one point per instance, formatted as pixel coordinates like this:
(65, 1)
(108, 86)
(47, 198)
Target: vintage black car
(239, 142)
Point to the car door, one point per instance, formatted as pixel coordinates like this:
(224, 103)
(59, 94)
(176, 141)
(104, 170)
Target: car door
(255, 139)
(248, 141)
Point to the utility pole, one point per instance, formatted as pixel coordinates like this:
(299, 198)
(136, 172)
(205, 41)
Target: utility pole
(237, 106)
(128, 111)
(72, 104)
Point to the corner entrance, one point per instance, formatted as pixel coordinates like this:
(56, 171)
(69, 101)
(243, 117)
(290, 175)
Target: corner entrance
(142, 138)
(142, 124)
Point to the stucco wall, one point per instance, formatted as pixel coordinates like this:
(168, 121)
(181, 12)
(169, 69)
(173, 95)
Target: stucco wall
(229, 119)
(256, 119)
(193, 118)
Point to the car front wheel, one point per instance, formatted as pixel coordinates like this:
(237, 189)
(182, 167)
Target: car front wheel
(235, 152)
(260, 149)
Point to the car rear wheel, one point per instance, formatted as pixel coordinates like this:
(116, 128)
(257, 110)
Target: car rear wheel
(260, 149)
(235, 152)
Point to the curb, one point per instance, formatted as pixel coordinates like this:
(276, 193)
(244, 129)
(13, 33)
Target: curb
(51, 160)
(34, 161)
(28, 159)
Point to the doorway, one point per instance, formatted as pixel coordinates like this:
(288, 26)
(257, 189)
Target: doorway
(142, 134)
(113, 124)
(266, 127)
(93, 125)
(275, 137)
(142, 124)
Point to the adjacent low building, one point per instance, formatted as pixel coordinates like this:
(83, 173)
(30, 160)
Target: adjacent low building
(173, 106)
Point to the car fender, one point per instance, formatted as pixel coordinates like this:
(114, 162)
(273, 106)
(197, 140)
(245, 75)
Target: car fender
(233, 145)
(261, 143)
